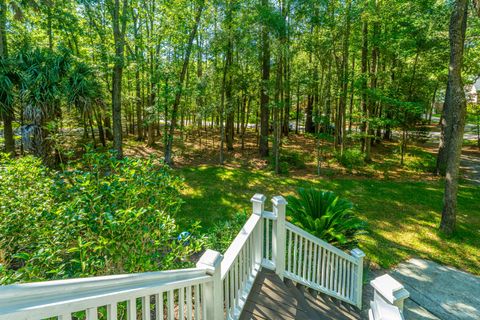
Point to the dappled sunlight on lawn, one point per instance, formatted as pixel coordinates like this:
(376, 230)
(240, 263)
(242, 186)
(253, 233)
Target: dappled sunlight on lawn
(403, 216)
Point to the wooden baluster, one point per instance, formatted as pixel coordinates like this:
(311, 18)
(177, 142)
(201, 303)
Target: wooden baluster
(226, 291)
(146, 308)
(189, 302)
(196, 290)
(91, 314)
(305, 258)
(66, 316)
(295, 254)
(171, 305)
(204, 302)
(112, 311)
(300, 260)
(314, 267)
(132, 309)
(159, 312)
(181, 303)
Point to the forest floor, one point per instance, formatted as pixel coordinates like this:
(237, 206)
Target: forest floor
(402, 204)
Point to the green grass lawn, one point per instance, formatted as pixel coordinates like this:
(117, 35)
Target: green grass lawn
(403, 216)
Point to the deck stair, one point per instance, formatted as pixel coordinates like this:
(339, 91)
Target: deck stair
(272, 270)
(272, 298)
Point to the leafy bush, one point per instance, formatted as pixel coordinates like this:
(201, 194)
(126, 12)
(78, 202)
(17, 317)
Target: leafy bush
(326, 216)
(420, 161)
(104, 216)
(220, 235)
(351, 158)
(289, 159)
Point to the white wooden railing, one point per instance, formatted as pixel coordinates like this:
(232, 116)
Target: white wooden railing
(169, 294)
(297, 255)
(216, 289)
(323, 267)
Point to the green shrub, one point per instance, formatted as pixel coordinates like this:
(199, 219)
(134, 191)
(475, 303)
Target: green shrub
(351, 158)
(326, 216)
(289, 159)
(104, 216)
(419, 160)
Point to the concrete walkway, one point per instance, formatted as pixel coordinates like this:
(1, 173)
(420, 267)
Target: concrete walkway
(470, 165)
(445, 292)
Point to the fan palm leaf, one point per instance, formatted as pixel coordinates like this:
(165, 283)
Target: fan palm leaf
(326, 215)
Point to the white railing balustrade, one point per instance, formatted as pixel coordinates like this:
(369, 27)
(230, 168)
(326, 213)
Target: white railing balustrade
(323, 267)
(155, 295)
(242, 262)
(216, 289)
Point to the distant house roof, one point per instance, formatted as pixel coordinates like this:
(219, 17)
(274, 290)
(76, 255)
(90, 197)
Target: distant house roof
(477, 85)
(472, 91)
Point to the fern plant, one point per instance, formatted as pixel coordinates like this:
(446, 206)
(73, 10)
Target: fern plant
(326, 216)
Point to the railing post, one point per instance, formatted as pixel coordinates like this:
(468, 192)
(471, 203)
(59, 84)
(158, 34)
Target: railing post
(212, 260)
(391, 291)
(258, 205)
(279, 235)
(358, 254)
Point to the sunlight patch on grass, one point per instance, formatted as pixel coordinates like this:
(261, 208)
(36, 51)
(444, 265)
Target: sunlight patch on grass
(403, 216)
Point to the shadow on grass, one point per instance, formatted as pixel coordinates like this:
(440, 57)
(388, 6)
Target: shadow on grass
(403, 216)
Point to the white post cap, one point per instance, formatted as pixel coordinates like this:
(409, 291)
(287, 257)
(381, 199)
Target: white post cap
(278, 200)
(390, 289)
(258, 197)
(210, 260)
(357, 253)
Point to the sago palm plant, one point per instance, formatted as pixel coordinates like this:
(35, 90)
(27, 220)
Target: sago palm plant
(43, 74)
(326, 216)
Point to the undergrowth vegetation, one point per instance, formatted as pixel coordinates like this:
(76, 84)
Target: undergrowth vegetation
(288, 160)
(222, 233)
(102, 216)
(350, 158)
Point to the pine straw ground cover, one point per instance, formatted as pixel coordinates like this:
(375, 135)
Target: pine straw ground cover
(402, 204)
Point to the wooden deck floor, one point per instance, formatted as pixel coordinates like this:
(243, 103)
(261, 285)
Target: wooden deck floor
(271, 298)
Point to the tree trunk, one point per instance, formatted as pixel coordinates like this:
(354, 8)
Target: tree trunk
(352, 93)
(297, 118)
(454, 114)
(309, 125)
(432, 105)
(344, 81)
(7, 115)
(119, 25)
(101, 131)
(364, 81)
(178, 95)
(373, 86)
(264, 90)
(230, 109)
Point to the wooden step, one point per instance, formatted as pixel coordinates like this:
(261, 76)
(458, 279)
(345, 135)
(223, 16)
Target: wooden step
(272, 298)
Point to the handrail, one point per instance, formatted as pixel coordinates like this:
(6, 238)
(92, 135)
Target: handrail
(76, 286)
(241, 264)
(238, 243)
(26, 301)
